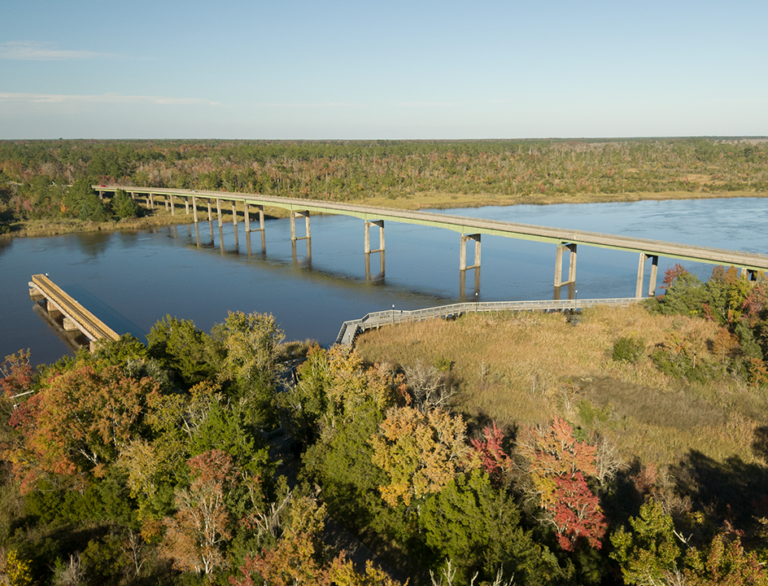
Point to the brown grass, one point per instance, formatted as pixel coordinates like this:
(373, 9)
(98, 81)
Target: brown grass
(525, 368)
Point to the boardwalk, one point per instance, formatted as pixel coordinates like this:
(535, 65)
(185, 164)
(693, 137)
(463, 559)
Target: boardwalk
(352, 328)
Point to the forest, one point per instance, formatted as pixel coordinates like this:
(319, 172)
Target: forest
(218, 458)
(49, 179)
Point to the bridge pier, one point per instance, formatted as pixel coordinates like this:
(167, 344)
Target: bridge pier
(463, 252)
(260, 209)
(234, 216)
(218, 212)
(368, 224)
(70, 325)
(194, 210)
(294, 250)
(173, 206)
(559, 264)
(748, 274)
(151, 202)
(463, 285)
(368, 276)
(305, 215)
(641, 275)
(186, 204)
(210, 215)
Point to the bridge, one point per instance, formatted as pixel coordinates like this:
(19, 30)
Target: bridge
(470, 229)
(76, 317)
(352, 328)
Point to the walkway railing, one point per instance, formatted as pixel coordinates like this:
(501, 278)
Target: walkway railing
(351, 328)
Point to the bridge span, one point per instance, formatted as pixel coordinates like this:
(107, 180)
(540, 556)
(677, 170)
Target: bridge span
(76, 317)
(469, 229)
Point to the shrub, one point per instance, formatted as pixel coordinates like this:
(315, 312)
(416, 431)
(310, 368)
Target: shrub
(628, 349)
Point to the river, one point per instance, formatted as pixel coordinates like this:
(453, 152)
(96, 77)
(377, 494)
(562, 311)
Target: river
(131, 279)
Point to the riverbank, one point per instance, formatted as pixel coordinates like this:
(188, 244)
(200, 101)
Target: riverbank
(432, 200)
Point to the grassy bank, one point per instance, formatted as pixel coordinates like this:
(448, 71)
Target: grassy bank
(526, 368)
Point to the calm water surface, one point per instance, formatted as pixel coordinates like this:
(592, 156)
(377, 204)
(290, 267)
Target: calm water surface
(132, 279)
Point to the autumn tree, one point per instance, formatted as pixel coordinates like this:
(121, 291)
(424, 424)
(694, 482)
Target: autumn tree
(420, 452)
(79, 421)
(196, 536)
(558, 464)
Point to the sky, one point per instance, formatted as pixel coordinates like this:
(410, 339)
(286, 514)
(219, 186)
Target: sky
(419, 69)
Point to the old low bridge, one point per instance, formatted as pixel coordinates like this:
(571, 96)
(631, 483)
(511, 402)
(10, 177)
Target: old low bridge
(469, 229)
(75, 316)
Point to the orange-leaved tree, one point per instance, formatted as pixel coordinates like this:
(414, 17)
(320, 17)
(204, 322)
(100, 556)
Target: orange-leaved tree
(420, 452)
(558, 465)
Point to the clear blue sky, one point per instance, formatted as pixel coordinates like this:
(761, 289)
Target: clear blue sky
(290, 69)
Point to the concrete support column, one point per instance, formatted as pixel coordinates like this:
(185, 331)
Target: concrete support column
(133, 196)
(654, 274)
(210, 215)
(70, 325)
(53, 311)
(640, 275)
(247, 218)
(218, 212)
(151, 202)
(101, 195)
(173, 206)
(234, 214)
(186, 204)
(368, 224)
(559, 264)
(463, 251)
(261, 220)
(194, 209)
(305, 215)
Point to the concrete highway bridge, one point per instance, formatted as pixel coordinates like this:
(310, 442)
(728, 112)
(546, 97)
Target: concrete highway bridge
(468, 228)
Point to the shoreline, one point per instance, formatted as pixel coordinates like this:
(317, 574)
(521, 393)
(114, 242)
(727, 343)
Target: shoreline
(43, 228)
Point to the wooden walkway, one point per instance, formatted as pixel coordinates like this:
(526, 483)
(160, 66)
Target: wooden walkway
(76, 317)
(352, 328)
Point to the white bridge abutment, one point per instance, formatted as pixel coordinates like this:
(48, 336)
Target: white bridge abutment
(641, 275)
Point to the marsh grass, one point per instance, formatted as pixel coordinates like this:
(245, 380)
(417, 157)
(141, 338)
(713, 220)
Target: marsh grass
(524, 368)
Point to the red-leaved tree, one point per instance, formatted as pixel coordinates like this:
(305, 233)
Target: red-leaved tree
(558, 464)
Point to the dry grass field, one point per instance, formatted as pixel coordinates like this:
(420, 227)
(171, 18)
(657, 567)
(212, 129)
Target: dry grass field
(525, 368)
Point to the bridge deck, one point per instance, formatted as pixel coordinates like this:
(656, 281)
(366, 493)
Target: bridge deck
(351, 328)
(686, 252)
(91, 326)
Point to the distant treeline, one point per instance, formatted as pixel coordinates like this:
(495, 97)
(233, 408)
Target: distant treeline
(33, 173)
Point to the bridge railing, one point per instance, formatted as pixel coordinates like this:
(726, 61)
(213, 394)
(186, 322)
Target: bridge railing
(351, 328)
